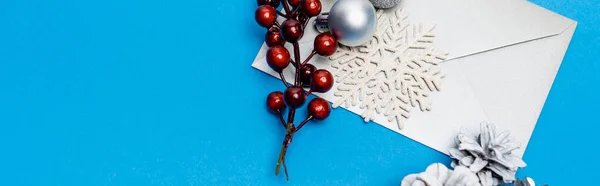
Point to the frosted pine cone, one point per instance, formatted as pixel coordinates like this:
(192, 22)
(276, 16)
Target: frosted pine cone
(384, 3)
(488, 154)
(438, 175)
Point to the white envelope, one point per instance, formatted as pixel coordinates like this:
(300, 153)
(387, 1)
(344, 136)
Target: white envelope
(503, 58)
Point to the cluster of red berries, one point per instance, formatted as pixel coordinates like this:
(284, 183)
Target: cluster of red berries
(297, 14)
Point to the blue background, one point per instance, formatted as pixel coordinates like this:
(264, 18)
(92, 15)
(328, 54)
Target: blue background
(144, 93)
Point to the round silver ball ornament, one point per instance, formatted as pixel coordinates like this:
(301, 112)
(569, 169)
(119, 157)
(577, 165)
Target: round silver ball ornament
(352, 22)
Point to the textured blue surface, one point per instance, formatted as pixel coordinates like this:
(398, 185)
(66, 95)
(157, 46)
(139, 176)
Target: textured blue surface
(144, 93)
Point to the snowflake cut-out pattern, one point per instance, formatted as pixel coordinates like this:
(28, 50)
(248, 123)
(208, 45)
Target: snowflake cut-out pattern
(397, 70)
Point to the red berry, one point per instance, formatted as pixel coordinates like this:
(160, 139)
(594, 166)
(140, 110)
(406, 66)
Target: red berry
(292, 30)
(273, 3)
(265, 16)
(321, 81)
(273, 37)
(294, 3)
(312, 7)
(278, 57)
(294, 96)
(275, 102)
(325, 44)
(319, 108)
(306, 73)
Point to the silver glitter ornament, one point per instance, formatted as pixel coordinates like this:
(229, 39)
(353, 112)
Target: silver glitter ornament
(385, 3)
(352, 22)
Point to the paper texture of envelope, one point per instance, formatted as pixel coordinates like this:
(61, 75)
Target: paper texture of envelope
(503, 58)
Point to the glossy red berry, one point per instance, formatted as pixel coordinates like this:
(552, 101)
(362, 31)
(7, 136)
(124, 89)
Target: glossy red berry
(306, 73)
(294, 96)
(265, 16)
(275, 102)
(294, 3)
(273, 37)
(311, 7)
(319, 108)
(292, 30)
(278, 57)
(325, 44)
(321, 81)
(273, 3)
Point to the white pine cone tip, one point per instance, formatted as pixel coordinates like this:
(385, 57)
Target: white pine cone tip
(488, 154)
(438, 174)
(384, 3)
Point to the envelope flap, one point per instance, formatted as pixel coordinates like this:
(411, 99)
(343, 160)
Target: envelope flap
(466, 27)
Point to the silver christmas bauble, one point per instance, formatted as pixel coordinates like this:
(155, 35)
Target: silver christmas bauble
(352, 22)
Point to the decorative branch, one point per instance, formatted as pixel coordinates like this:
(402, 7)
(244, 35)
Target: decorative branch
(281, 14)
(283, 80)
(279, 58)
(309, 57)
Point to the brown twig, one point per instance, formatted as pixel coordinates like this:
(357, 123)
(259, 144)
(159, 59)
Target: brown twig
(293, 63)
(298, 65)
(281, 118)
(286, 7)
(303, 122)
(286, 143)
(296, 10)
(309, 57)
(283, 80)
(287, 176)
(277, 24)
(281, 14)
(305, 23)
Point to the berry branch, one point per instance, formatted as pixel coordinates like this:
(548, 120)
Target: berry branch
(281, 13)
(297, 59)
(306, 75)
(309, 57)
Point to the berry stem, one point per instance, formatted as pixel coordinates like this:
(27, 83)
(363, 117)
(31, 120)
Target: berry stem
(280, 159)
(293, 63)
(309, 57)
(290, 120)
(283, 80)
(281, 119)
(303, 122)
(298, 65)
(281, 14)
(286, 143)
(305, 23)
(287, 177)
(277, 24)
(295, 13)
(286, 7)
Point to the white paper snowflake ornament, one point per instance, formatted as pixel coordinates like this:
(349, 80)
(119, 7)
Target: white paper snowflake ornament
(397, 70)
